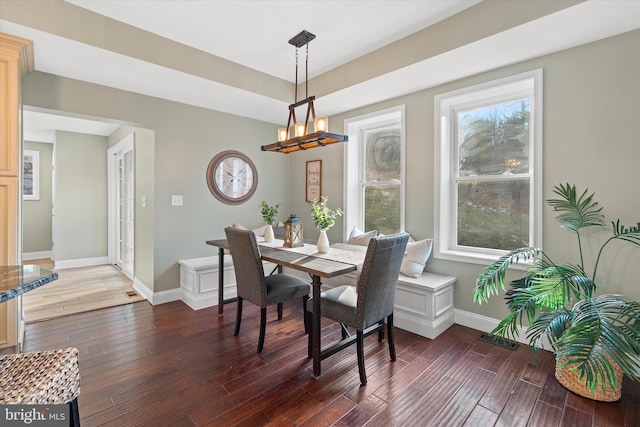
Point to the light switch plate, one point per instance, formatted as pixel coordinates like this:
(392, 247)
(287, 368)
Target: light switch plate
(176, 200)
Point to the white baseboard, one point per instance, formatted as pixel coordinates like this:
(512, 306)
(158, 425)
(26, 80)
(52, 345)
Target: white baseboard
(210, 299)
(156, 298)
(81, 262)
(421, 326)
(142, 289)
(487, 324)
(164, 297)
(198, 302)
(37, 255)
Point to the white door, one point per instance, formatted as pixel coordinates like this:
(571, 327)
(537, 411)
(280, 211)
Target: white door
(121, 205)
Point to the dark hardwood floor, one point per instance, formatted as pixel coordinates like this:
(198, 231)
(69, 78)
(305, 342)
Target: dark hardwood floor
(170, 366)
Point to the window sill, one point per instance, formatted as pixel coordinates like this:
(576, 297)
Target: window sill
(474, 258)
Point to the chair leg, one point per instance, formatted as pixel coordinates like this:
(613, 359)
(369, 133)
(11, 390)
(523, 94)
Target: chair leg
(306, 319)
(381, 331)
(263, 327)
(360, 351)
(344, 329)
(75, 413)
(279, 311)
(392, 345)
(238, 316)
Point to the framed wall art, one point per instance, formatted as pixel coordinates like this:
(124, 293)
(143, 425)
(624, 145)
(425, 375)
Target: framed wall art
(314, 180)
(30, 175)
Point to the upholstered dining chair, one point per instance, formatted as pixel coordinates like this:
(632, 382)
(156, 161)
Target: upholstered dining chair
(254, 286)
(366, 306)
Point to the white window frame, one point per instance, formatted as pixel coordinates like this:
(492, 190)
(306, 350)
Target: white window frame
(354, 164)
(526, 84)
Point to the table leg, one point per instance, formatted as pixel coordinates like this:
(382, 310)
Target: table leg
(315, 328)
(220, 281)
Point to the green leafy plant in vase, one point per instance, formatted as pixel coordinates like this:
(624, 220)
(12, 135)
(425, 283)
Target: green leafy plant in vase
(323, 219)
(596, 339)
(270, 216)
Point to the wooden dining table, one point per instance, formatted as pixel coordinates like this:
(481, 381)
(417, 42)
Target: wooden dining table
(308, 260)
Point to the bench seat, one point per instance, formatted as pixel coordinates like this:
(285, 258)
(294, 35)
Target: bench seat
(423, 306)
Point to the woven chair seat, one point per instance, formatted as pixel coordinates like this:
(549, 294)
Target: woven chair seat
(40, 378)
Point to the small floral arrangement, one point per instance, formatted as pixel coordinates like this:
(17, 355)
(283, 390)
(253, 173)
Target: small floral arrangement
(269, 213)
(323, 217)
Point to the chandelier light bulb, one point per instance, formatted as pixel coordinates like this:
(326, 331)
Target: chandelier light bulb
(283, 134)
(321, 124)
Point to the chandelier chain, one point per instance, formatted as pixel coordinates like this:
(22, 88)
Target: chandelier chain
(306, 74)
(296, 89)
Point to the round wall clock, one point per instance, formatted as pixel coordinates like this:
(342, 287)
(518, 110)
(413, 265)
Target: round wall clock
(232, 177)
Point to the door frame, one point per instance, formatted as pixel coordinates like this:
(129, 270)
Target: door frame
(126, 143)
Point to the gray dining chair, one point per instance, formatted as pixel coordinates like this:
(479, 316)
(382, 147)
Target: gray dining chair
(254, 286)
(366, 306)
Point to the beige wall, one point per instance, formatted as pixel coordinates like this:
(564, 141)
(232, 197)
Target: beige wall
(36, 214)
(591, 127)
(80, 196)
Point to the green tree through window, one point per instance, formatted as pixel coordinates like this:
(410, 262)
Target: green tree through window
(382, 175)
(488, 168)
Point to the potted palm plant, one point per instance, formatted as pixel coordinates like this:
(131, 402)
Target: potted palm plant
(323, 219)
(596, 339)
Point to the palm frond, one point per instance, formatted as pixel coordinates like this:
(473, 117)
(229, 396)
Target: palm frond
(551, 324)
(492, 275)
(555, 286)
(508, 327)
(576, 211)
(631, 234)
(521, 301)
(620, 232)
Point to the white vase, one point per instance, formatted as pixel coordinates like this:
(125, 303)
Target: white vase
(268, 233)
(323, 242)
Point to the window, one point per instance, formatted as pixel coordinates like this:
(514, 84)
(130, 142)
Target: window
(488, 163)
(374, 172)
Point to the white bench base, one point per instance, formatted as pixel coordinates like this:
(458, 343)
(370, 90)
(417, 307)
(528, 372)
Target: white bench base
(199, 280)
(423, 306)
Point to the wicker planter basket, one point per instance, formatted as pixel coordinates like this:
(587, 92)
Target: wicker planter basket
(569, 379)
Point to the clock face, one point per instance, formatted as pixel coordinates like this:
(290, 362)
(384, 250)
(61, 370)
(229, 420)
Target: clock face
(232, 177)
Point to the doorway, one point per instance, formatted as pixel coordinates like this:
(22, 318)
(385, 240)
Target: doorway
(96, 283)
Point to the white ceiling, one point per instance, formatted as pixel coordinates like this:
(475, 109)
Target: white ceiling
(256, 33)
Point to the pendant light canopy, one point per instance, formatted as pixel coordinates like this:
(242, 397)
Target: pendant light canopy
(302, 139)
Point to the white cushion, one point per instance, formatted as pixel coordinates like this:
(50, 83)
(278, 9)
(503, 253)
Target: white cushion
(416, 257)
(258, 231)
(358, 237)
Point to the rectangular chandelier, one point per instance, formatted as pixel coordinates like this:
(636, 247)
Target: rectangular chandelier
(302, 140)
